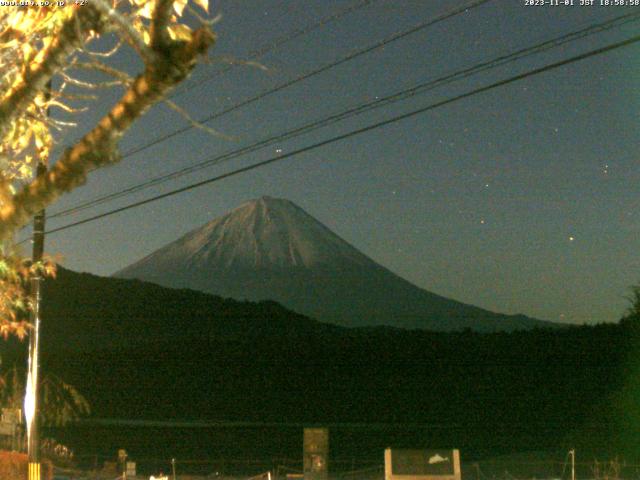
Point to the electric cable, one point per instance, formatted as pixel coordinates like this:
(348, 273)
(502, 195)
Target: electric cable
(331, 119)
(380, 44)
(268, 48)
(279, 42)
(352, 133)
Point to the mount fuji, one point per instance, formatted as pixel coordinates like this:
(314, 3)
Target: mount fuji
(270, 248)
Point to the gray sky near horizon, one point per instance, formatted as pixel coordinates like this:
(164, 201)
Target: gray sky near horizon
(523, 199)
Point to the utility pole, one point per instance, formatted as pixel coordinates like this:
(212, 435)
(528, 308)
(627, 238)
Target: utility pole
(122, 463)
(31, 397)
(572, 452)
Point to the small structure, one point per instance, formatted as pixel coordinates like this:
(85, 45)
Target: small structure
(11, 429)
(316, 453)
(402, 464)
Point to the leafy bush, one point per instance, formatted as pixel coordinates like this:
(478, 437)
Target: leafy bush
(13, 466)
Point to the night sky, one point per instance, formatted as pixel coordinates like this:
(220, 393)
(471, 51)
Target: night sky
(523, 199)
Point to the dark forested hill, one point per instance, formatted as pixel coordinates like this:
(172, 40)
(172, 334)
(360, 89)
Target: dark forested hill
(138, 350)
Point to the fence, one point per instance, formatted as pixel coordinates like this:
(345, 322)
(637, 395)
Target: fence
(93, 468)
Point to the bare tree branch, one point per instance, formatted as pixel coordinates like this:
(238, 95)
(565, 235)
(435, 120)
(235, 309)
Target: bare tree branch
(161, 17)
(35, 77)
(125, 27)
(106, 54)
(98, 147)
(90, 85)
(103, 68)
(195, 123)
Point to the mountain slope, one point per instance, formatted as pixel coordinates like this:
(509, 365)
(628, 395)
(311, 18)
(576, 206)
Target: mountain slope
(272, 249)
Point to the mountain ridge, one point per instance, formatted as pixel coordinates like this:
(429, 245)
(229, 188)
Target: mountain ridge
(270, 248)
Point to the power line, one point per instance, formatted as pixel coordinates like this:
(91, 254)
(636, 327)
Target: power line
(279, 42)
(313, 73)
(207, 424)
(273, 46)
(374, 126)
(246, 424)
(396, 36)
(395, 97)
(306, 76)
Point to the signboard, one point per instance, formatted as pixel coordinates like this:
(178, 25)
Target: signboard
(7, 429)
(9, 432)
(11, 415)
(110, 468)
(131, 469)
(316, 453)
(11, 418)
(421, 464)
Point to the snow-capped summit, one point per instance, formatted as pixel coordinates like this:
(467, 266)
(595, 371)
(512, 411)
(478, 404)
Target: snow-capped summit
(263, 233)
(270, 248)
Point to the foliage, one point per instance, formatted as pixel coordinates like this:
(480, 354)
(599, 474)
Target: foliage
(606, 470)
(59, 454)
(49, 72)
(633, 312)
(13, 466)
(61, 402)
(15, 303)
